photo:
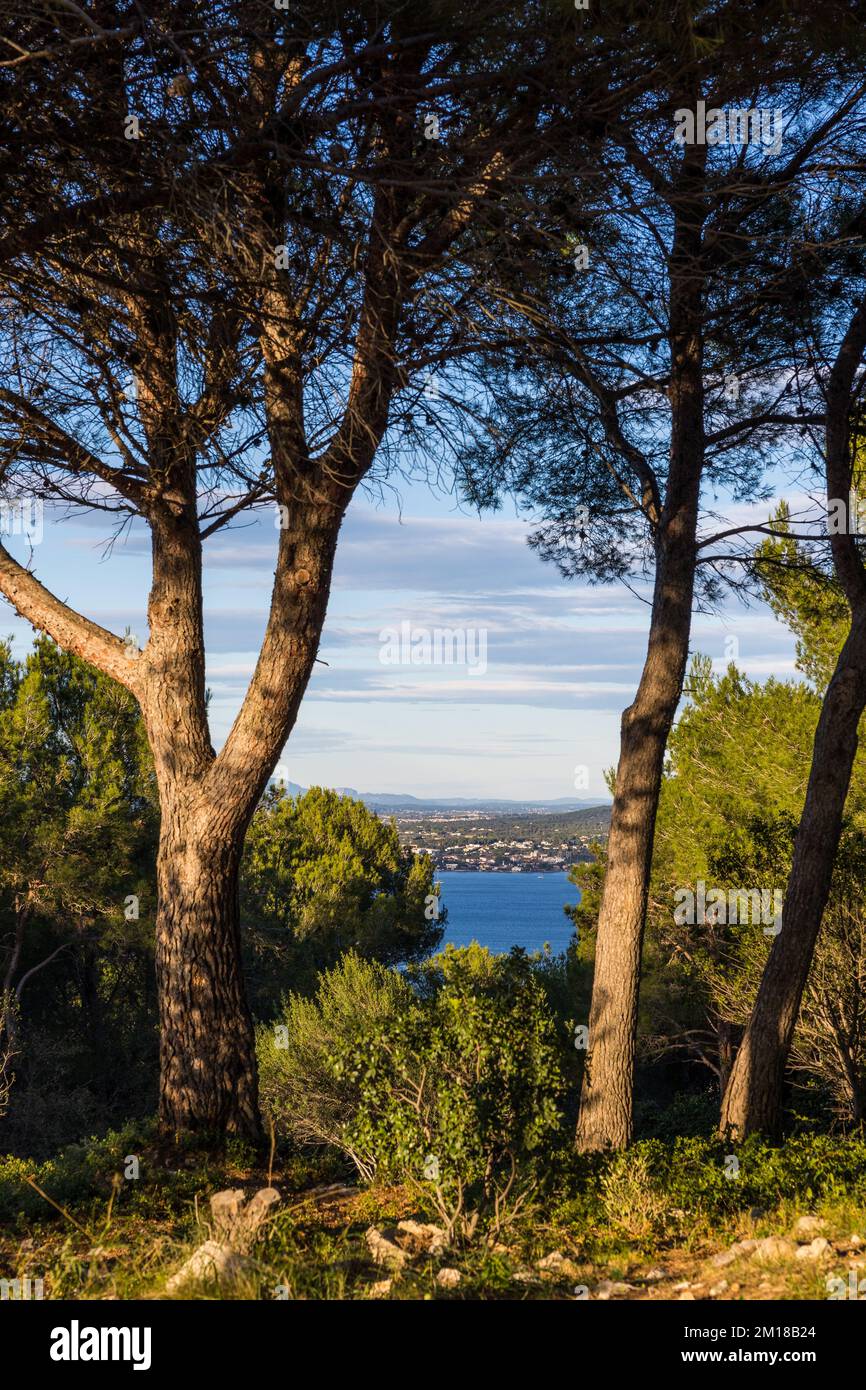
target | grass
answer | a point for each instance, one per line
(652, 1219)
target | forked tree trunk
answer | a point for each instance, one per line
(753, 1099)
(208, 1074)
(208, 1078)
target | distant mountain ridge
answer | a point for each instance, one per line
(393, 801)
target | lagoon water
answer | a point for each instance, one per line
(505, 910)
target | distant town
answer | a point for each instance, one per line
(489, 836)
(485, 842)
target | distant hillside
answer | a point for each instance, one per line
(589, 820)
(395, 802)
(556, 827)
(489, 842)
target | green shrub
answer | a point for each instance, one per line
(685, 1182)
(634, 1204)
(451, 1083)
(688, 1113)
(77, 1174)
(302, 1092)
(694, 1176)
(459, 1093)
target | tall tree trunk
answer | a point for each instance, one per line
(606, 1101)
(606, 1098)
(207, 1056)
(208, 1074)
(208, 1077)
(753, 1099)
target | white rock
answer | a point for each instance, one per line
(772, 1249)
(448, 1278)
(608, 1289)
(383, 1249)
(814, 1250)
(724, 1257)
(430, 1239)
(806, 1227)
(211, 1263)
(736, 1251)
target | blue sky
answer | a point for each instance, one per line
(563, 658)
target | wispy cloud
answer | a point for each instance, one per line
(562, 659)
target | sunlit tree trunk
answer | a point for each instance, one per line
(606, 1099)
(208, 1081)
(606, 1102)
(753, 1100)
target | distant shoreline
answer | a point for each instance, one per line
(538, 872)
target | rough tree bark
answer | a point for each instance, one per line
(606, 1098)
(753, 1099)
(202, 842)
(605, 1116)
(208, 1070)
(207, 1054)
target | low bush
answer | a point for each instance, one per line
(451, 1083)
(302, 1092)
(696, 1176)
(77, 1174)
(633, 1202)
(806, 1168)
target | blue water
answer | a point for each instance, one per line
(505, 910)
